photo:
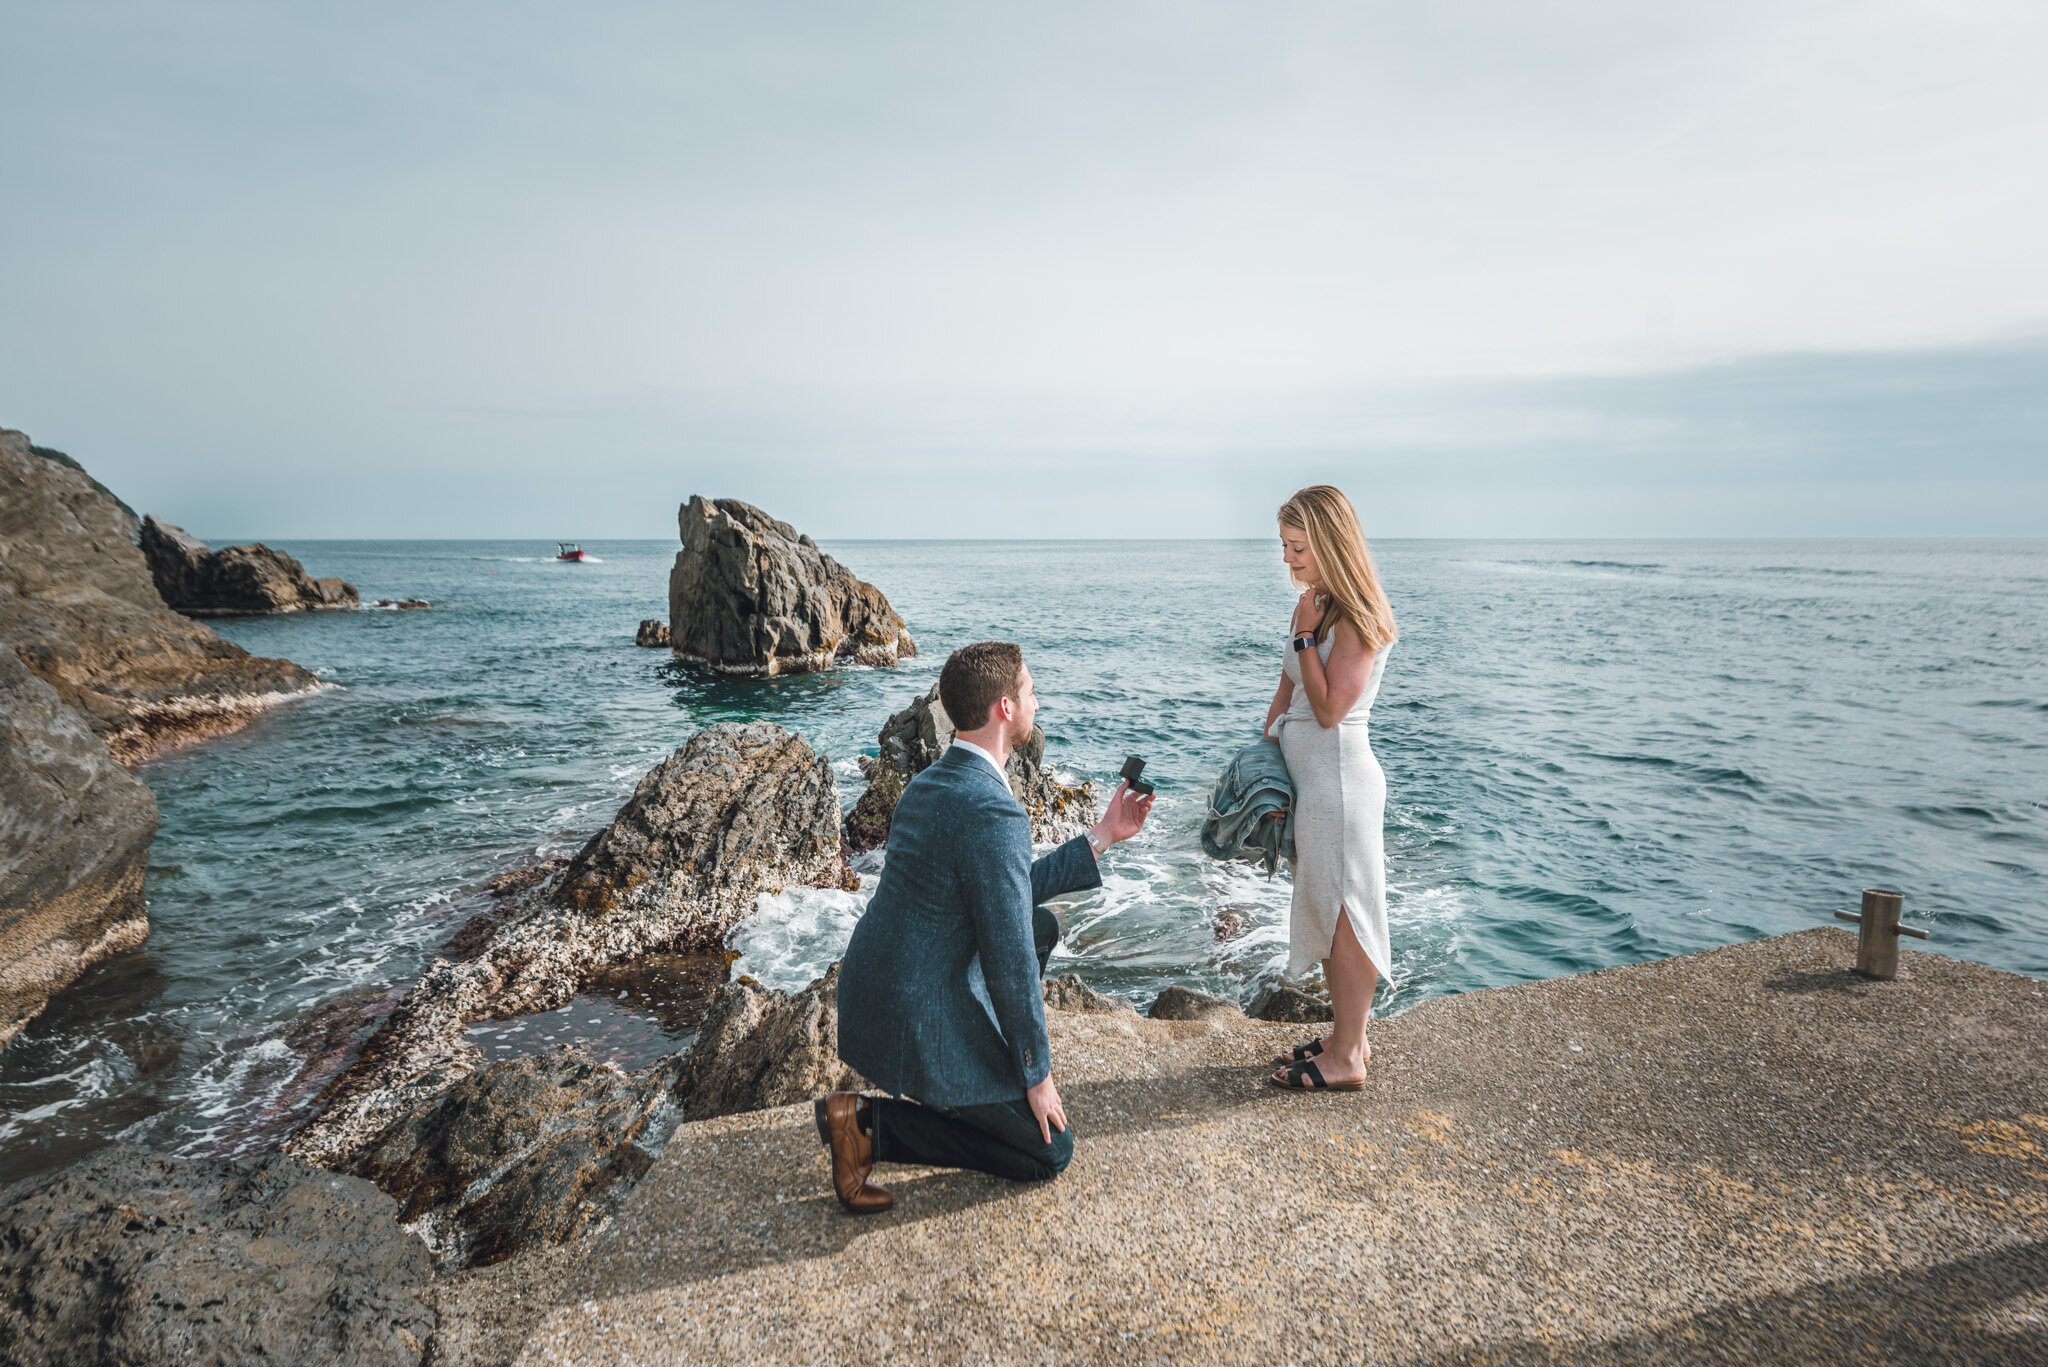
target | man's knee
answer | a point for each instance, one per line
(1058, 1154)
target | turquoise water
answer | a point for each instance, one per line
(1597, 753)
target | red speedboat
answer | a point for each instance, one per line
(569, 550)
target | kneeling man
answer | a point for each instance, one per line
(939, 995)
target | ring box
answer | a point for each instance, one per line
(1133, 767)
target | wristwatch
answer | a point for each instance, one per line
(1305, 641)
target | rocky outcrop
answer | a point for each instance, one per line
(79, 607)
(748, 595)
(919, 734)
(653, 632)
(708, 829)
(75, 832)
(759, 1048)
(736, 812)
(525, 1152)
(125, 1257)
(1069, 993)
(1179, 1003)
(233, 582)
(1284, 1002)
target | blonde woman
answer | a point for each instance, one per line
(1341, 632)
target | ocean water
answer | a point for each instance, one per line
(1597, 753)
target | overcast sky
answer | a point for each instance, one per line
(1705, 267)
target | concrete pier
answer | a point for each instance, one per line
(1745, 1155)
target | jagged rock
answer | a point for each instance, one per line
(708, 828)
(525, 1152)
(735, 812)
(80, 609)
(759, 1048)
(919, 734)
(75, 832)
(1179, 1003)
(1283, 1001)
(234, 581)
(126, 1257)
(392, 604)
(653, 632)
(748, 595)
(1069, 993)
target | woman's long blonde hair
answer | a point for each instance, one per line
(1330, 523)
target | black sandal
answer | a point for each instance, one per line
(1306, 1077)
(1301, 1053)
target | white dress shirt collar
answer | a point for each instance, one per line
(987, 758)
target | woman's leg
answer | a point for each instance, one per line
(1352, 979)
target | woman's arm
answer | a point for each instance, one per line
(1282, 696)
(1335, 690)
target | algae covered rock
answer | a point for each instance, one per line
(127, 1257)
(750, 595)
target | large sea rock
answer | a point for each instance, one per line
(125, 1257)
(749, 595)
(737, 811)
(236, 581)
(80, 608)
(919, 734)
(75, 832)
(759, 1048)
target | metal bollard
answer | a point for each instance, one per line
(1877, 937)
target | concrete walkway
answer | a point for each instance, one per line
(1746, 1155)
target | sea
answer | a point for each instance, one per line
(1597, 753)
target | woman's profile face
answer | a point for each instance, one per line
(1301, 561)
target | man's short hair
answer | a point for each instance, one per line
(975, 677)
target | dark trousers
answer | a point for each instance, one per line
(1001, 1138)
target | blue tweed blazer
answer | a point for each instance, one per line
(939, 996)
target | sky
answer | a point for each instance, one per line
(1106, 269)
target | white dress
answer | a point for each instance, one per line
(1340, 806)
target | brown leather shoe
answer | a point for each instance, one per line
(853, 1153)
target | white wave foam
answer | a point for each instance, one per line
(796, 934)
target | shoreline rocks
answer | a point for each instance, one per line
(78, 829)
(522, 1153)
(653, 633)
(913, 738)
(125, 1256)
(79, 606)
(751, 596)
(735, 812)
(236, 581)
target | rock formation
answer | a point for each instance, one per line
(736, 812)
(653, 632)
(1284, 1002)
(759, 1048)
(125, 1257)
(525, 1152)
(79, 607)
(919, 734)
(1068, 993)
(748, 595)
(235, 581)
(1179, 1003)
(75, 832)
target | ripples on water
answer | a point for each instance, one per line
(1596, 753)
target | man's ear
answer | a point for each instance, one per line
(1006, 708)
